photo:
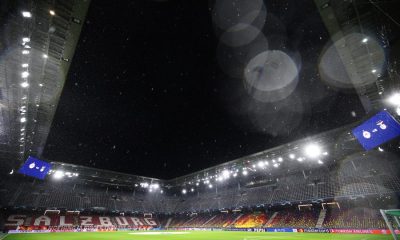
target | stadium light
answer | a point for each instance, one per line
(58, 174)
(26, 39)
(394, 99)
(26, 14)
(23, 119)
(225, 174)
(25, 52)
(312, 150)
(25, 65)
(24, 74)
(184, 191)
(260, 164)
(25, 84)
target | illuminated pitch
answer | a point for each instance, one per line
(199, 235)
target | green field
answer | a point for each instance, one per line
(190, 236)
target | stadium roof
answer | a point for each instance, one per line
(38, 40)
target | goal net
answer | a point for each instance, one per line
(392, 220)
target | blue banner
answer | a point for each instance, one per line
(377, 130)
(35, 168)
(281, 230)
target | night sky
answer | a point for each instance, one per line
(146, 93)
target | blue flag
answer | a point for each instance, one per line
(377, 130)
(35, 168)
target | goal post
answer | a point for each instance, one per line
(392, 220)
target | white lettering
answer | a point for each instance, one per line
(105, 221)
(62, 222)
(15, 220)
(86, 221)
(123, 222)
(136, 222)
(41, 219)
(150, 222)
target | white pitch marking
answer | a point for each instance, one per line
(159, 233)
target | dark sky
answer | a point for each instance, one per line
(146, 93)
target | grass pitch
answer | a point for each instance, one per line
(192, 236)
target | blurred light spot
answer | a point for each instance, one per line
(271, 76)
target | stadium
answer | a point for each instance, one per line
(341, 181)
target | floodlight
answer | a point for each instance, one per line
(26, 14)
(320, 162)
(260, 164)
(312, 150)
(394, 99)
(58, 175)
(380, 149)
(184, 191)
(210, 186)
(52, 13)
(365, 40)
(276, 165)
(25, 65)
(245, 173)
(26, 39)
(23, 119)
(25, 52)
(280, 159)
(161, 191)
(225, 174)
(45, 56)
(373, 71)
(24, 74)
(292, 156)
(192, 190)
(24, 84)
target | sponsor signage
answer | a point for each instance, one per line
(377, 130)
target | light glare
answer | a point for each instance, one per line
(24, 84)
(395, 99)
(58, 174)
(26, 14)
(312, 150)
